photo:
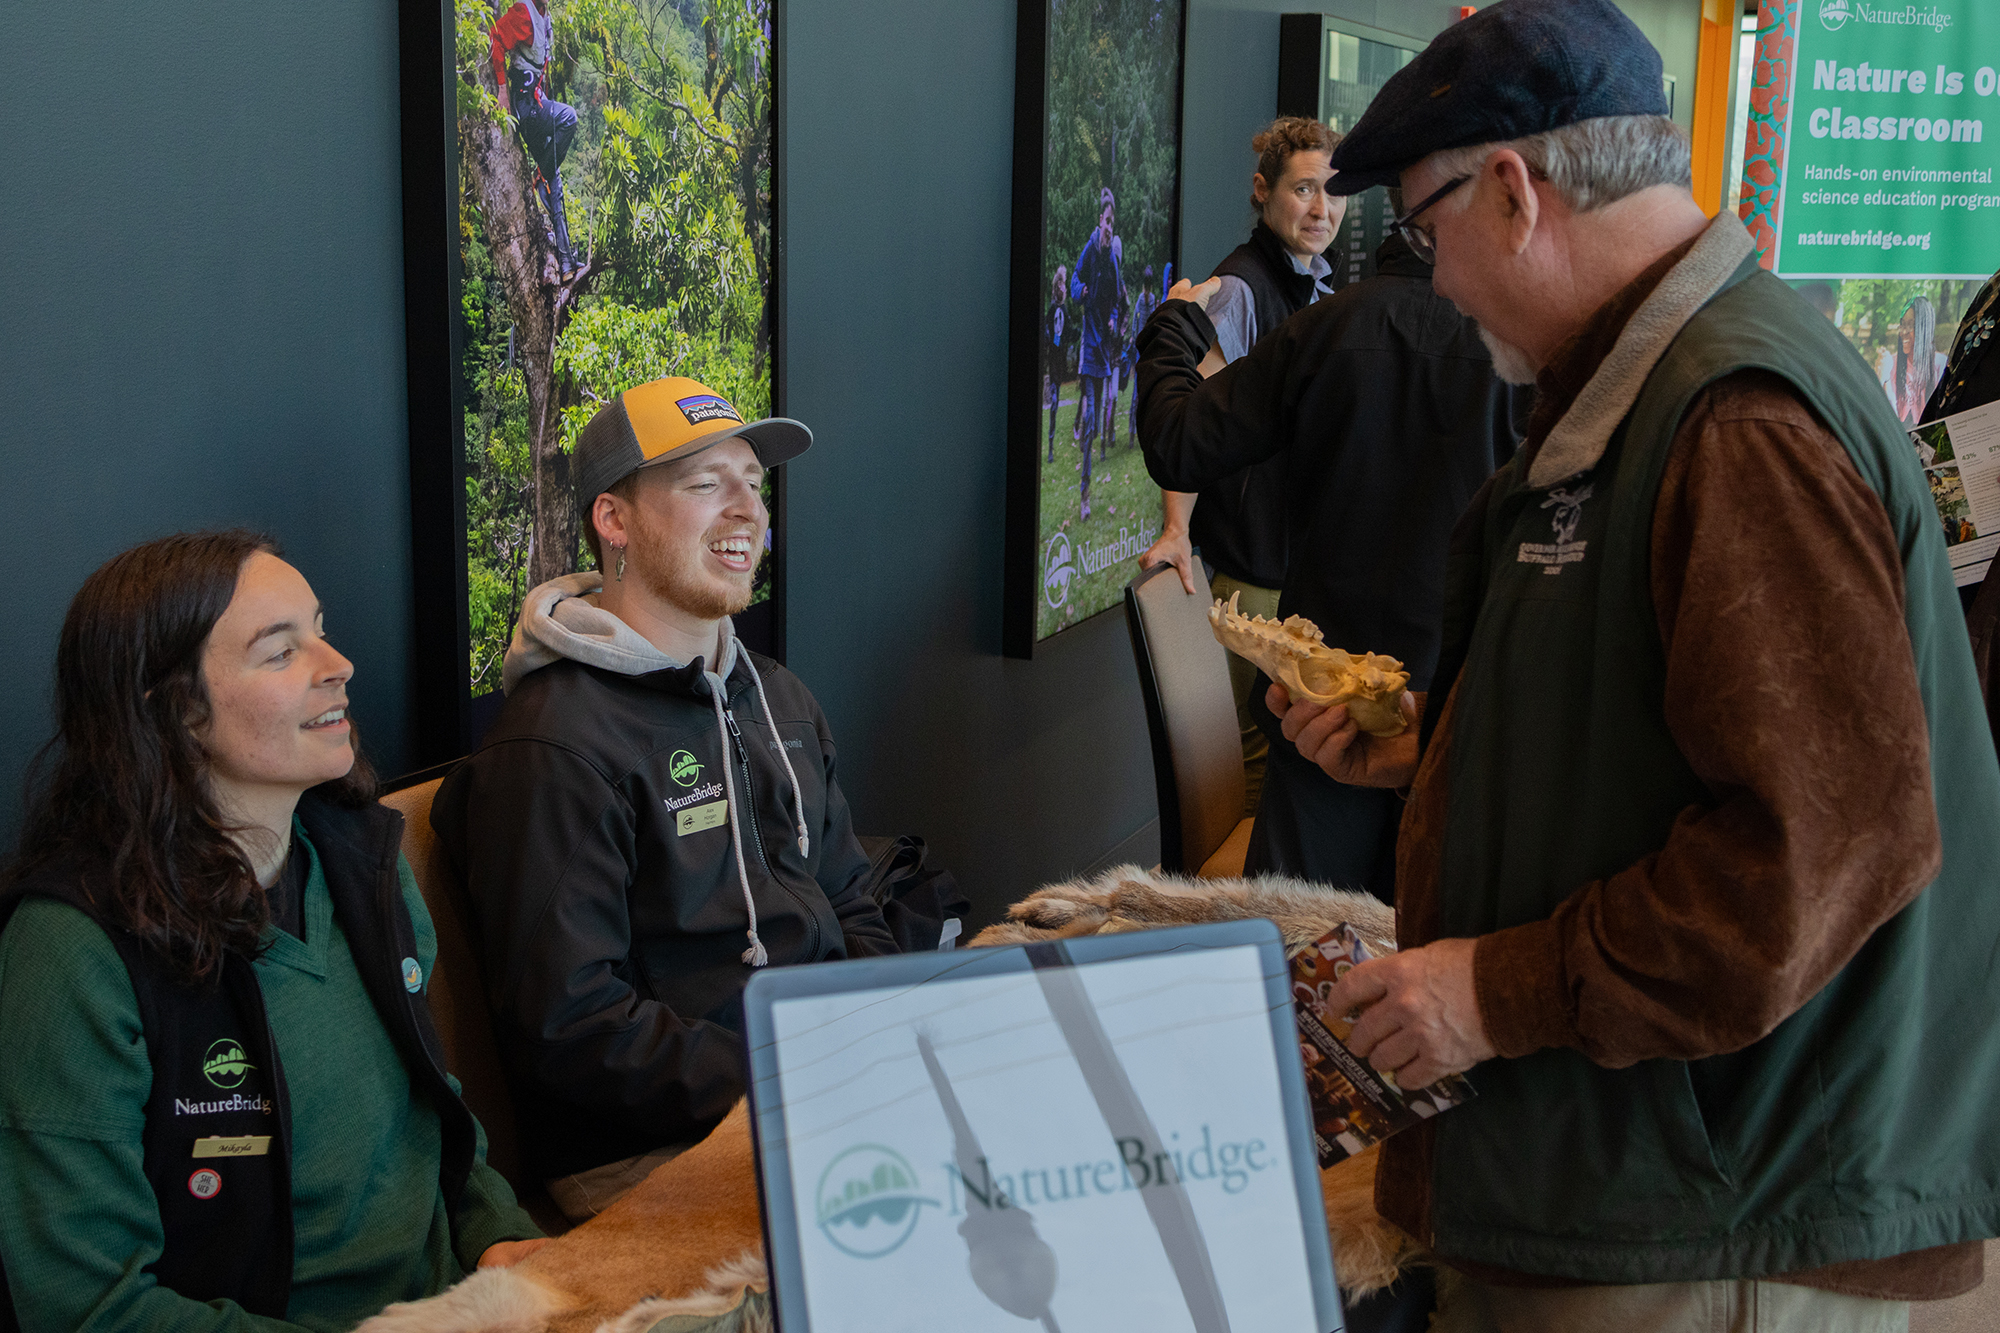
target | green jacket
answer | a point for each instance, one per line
(1865, 1125)
(79, 1222)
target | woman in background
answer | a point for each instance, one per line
(1916, 360)
(223, 1105)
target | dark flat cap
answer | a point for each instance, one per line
(1515, 68)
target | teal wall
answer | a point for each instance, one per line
(201, 320)
(201, 323)
(206, 328)
(896, 180)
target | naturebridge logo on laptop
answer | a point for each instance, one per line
(867, 1202)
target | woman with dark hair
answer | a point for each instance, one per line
(1916, 359)
(223, 1104)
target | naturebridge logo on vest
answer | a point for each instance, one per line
(225, 1064)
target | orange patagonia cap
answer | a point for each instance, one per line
(662, 420)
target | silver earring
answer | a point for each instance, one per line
(619, 574)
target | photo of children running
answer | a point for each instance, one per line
(1109, 194)
(1099, 285)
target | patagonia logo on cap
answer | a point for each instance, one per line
(705, 407)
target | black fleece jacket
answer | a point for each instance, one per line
(589, 833)
(1382, 401)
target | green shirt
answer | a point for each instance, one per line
(78, 1221)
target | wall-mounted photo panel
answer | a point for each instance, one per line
(596, 213)
(1096, 232)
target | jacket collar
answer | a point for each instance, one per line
(1279, 260)
(1395, 259)
(365, 837)
(1578, 440)
(692, 681)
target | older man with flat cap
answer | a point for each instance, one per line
(1696, 878)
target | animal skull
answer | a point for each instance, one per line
(1293, 652)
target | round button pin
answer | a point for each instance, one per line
(205, 1184)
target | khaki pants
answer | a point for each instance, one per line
(588, 1193)
(1469, 1306)
(1254, 601)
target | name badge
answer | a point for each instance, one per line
(249, 1145)
(700, 817)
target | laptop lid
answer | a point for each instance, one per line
(1094, 1134)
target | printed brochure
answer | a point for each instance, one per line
(1354, 1104)
(1961, 461)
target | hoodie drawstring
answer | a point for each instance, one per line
(798, 797)
(756, 955)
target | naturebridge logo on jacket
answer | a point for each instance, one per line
(683, 768)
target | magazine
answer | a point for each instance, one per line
(1353, 1103)
(1961, 460)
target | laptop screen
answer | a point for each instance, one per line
(1088, 1145)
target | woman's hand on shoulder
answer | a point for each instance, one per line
(507, 1253)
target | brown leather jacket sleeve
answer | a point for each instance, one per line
(1792, 691)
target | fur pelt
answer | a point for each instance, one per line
(688, 1240)
(1368, 1250)
(1128, 898)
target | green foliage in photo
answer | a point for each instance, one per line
(667, 187)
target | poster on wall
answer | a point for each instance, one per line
(614, 225)
(1961, 459)
(1096, 232)
(1869, 171)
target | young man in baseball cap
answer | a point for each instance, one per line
(1703, 903)
(654, 813)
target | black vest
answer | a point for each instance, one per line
(216, 1073)
(1239, 522)
(1278, 290)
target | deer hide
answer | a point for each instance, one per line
(688, 1240)
(1368, 1250)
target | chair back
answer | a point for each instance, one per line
(457, 989)
(1190, 713)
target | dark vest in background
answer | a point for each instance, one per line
(1239, 522)
(216, 1073)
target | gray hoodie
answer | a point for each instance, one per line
(561, 619)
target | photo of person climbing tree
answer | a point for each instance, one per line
(614, 227)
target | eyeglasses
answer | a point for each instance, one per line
(1420, 240)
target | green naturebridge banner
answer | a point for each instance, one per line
(1893, 137)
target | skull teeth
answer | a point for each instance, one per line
(1294, 653)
